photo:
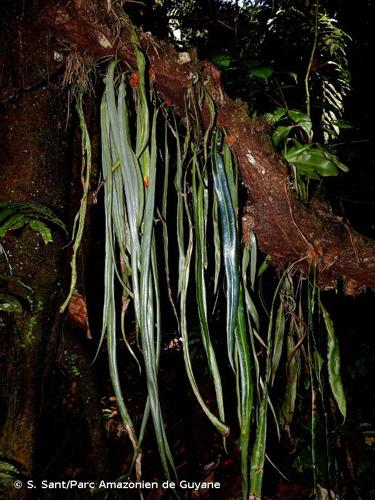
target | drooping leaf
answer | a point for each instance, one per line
(217, 241)
(336, 161)
(245, 396)
(187, 255)
(278, 340)
(6, 211)
(264, 266)
(79, 222)
(334, 368)
(42, 229)
(30, 209)
(293, 369)
(14, 222)
(229, 243)
(198, 189)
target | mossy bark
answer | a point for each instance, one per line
(40, 162)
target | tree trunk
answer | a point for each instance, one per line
(34, 167)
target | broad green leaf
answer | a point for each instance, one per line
(323, 166)
(222, 61)
(9, 303)
(263, 72)
(276, 115)
(311, 159)
(301, 119)
(297, 149)
(280, 134)
(42, 229)
(308, 172)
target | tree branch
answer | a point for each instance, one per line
(285, 228)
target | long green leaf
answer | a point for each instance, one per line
(147, 311)
(293, 369)
(220, 426)
(246, 391)
(217, 241)
(200, 257)
(109, 311)
(229, 243)
(243, 364)
(278, 340)
(333, 355)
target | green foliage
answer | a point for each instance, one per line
(9, 303)
(313, 162)
(310, 161)
(229, 245)
(333, 355)
(298, 61)
(20, 214)
(11, 470)
(334, 76)
(278, 347)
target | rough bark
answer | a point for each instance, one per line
(286, 228)
(34, 169)
(38, 163)
(34, 158)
